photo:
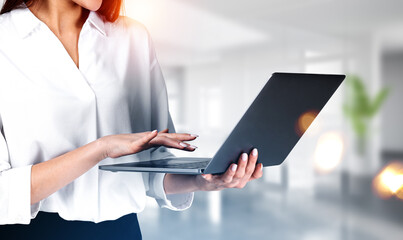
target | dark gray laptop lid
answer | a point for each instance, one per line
(274, 122)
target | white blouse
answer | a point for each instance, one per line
(49, 107)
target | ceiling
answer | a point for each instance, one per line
(338, 17)
(203, 28)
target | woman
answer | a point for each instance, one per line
(80, 85)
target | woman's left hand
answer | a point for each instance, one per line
(236, 176)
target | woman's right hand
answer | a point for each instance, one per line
(124, 144)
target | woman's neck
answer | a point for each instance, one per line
(61, 16)
(65, 19)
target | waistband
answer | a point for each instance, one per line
(51, 226)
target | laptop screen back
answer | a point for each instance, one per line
(278, 117)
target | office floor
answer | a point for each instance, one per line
(276, 214)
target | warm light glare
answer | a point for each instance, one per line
(399, 195)
(215, 206)
(142, 11)
(389, 182)
(328, 153)
(304, 121)
(392, 181)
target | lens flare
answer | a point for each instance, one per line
(142, 10)
(329, 152)
(389, 181)
(304, 121)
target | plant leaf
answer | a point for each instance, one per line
(378, 101)
(359, 100)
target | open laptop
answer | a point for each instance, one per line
(274, 123)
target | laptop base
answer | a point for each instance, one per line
(179, 165)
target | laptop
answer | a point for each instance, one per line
(274, 123)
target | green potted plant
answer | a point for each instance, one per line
(360, 108)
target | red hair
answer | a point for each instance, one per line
(110, 9)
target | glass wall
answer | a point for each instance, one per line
(217, 55)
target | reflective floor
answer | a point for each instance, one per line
(277, 214)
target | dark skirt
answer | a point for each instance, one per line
(50, 226)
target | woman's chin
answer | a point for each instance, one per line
(92, 5)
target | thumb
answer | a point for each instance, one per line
(207, 176)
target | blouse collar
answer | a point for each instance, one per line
(26, 22)
(96, 20)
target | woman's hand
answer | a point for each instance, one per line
(236, 176)
(124, 144)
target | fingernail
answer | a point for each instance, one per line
(244, 157)
(194, 135)
(191, 146)
(183, 144)
(254, 152)
(203, 176)
(261, 167)
(234, 167)
(154, 131)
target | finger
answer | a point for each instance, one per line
(242, 162)
(191, 147)
(229, 174)
(250, 168)
(208, 177)
(166, 130)
(172, 143)
(169, 142)
(258, 173)
(181, 136)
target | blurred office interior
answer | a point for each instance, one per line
(217, 55)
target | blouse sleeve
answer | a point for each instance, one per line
(15, 189)
(161, 119)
